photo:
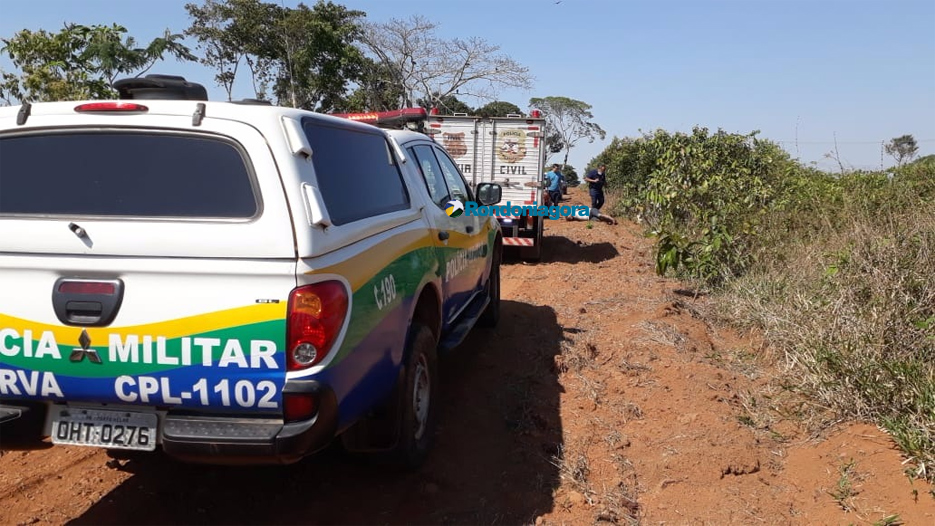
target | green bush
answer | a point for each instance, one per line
(701, 194)
(838, 271)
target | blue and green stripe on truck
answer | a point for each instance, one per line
(235, 359)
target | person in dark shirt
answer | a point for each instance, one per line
(596, 180)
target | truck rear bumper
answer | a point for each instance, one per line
(222, 440)
(207, 439)
(8, 414)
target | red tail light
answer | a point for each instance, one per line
(298, 406)
(316, 315)
(110, 106)
(87, 287)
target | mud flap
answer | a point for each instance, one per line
(378, 432)
(22, 426)
(534, 253)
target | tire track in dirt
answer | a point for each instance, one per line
(71, 459)
(37, 496)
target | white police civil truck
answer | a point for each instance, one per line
(510, 151)
(230, 282)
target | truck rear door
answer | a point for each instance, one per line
(515, 162)
(143, 261)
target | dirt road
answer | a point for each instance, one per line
(602, 397)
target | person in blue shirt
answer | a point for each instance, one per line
(596, 181)
(554, 179)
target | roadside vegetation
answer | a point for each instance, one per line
(835, 270)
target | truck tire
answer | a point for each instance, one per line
(491, 315)
(418, 413)
(533, 253)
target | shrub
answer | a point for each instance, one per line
(847, 291)
(701, 194)
(836, 270)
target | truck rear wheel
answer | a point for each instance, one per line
(491, 315)
(418, 413)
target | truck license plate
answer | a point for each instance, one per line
(109, 429)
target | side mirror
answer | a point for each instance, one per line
(489, 194)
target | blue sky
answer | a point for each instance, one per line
(860, 70)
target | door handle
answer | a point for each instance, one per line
(87, 302)
(468, 229)
(443, 235)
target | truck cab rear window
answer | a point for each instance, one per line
(127, 174)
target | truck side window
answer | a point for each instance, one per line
(459, 188)
(431, 173)
(357, 173)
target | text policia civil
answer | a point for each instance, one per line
(552, 212)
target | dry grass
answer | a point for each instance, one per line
(662, 333)
(576, 356)
(574, 468)
(852, 308)
(612, 197)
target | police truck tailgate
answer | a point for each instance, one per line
(141, 268)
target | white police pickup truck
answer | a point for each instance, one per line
(230, 282)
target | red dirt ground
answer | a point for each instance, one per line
(603, 397)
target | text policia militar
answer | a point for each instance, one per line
(552, 212)
(191, 371)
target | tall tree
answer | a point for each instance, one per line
(220, 51)
(902, 148)
(569, 120)
(375, 91)
(231, 33)
(499, 108)
(316, 56)
(306, 56)
(79, 62)
(428, 66)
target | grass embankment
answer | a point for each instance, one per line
(847, 293)
(836, 270)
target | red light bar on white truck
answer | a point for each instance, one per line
(394, 118)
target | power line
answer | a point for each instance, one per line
(844, 142)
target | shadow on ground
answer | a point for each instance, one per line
(491, 463)
(556, 248)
